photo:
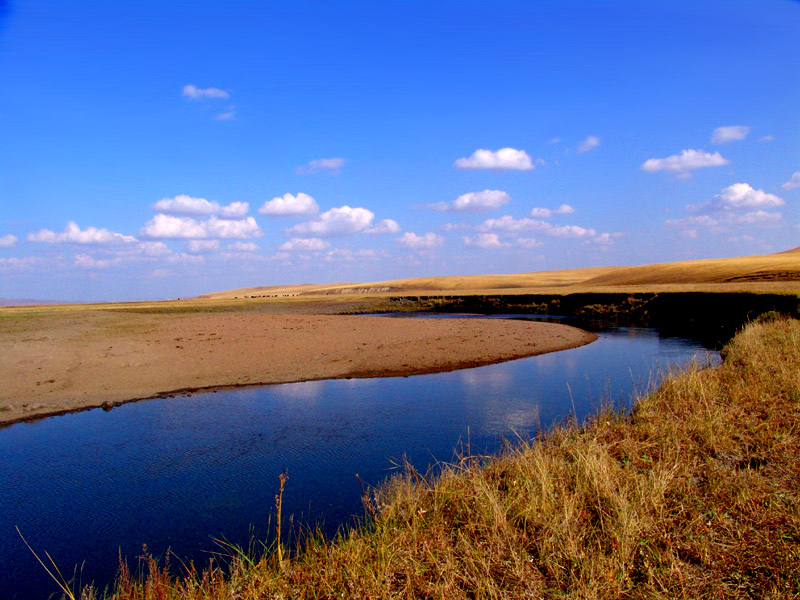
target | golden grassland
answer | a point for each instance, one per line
(694, 494)
(772, 273)
(766, 273)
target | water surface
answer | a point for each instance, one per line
(176, 473)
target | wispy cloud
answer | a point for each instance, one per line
(8, 241)
(590, 143)
(684, 162)
(793, 183)
(228, 115)
(546, 213)
(505, 159)
(509, 223)
(484, 240)
(329, 165)
(196, 93)
(690, 226)
(290, 206)
(729, 133)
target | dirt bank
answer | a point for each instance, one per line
(72, 360)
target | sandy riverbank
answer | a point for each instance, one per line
(74, 360)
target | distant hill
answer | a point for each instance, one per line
(780, 271)
(26, 302)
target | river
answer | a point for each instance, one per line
(178, 473)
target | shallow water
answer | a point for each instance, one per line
(176, 473)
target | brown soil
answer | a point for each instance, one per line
(64, 361)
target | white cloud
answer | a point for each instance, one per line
(528, 243)
(332, 165)
(730, 133)
(240, 229)
(335, 222)
(453, 226)
(692, 222)
(506, 159)
(590, 143)
(484, 240)
(187, 205)
(604, 239)
(794, 182)
(347, 255)
(384, 226)
(426, 241)
(243, 247)
(721, 222)
(202, 246)
(174, 228)
(196, 93)
(171, 227)
(228, 115)
(73, 234)
(569, 231)
(85, 261)
(16, 263)
(305, 244)
(154, 249)
(748, 239)
(738, 197)
(510, 224)
(290, 206)
(8, 241)
(684, 162)
(474, 202)
(756, 217)
(184, 259)
(546, 213)
(767, 138)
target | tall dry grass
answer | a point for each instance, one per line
(695, 494)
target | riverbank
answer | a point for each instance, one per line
(694, 494)
(64, 359)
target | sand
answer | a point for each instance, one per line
(66, 362)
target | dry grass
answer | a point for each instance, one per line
(693, 495)
(766, 273)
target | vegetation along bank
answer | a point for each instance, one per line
(694, 494)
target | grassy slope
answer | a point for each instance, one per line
(696, 494)
(772, 272)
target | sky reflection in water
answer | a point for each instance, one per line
(177, 472)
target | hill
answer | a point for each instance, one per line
(769, 272)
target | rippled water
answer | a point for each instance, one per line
(175, 473)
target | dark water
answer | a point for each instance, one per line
(177, 473)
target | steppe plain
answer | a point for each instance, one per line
(62, 358)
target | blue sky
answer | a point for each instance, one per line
(166, 149)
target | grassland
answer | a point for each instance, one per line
(776, 273)
(694, 494)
